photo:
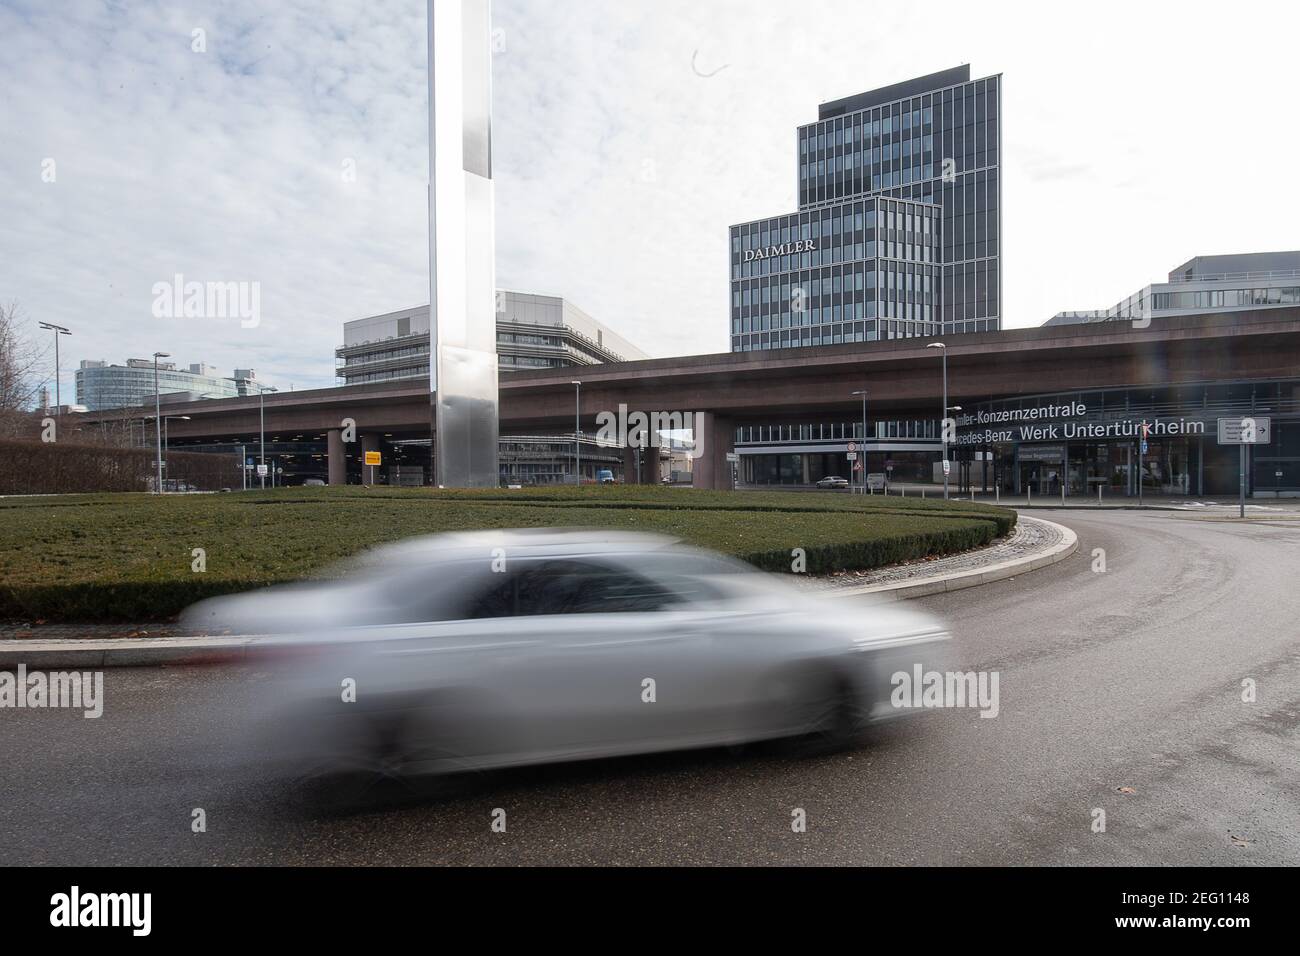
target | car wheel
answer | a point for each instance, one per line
(834, 714)
(818, 708)
(373, 777)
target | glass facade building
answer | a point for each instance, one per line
(102, 386)
(1233, 283)
(932, 146)
(533, 332)
(1090, 442)
(856, 271)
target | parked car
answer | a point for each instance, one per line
(833, 481)
(501, 648)
(605, 476)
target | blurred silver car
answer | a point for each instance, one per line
(833, 481)
(502, 648)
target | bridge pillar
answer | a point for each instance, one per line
(335, 452)
(648, 474)
(711, 469)
(650, 465)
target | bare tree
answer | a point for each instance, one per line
(20, 359)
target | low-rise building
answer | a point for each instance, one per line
(1232, 283)
(533, 332)
(101, 385)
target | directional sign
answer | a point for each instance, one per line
(374, 458)
(1247, 430)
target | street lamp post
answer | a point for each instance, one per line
(57, 330)
(577, 441)
(157, 414)
(863, 459)
(943, 419)
(166, 419)
(261, 413)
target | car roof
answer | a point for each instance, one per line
(518, 542)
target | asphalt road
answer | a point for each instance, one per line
(1120, 691)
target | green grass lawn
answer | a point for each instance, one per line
(128, 557)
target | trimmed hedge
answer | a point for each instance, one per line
(128, 557)
(50, 468)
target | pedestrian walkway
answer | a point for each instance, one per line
(1029, 539)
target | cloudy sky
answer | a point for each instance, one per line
(628, 137)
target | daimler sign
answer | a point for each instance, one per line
(784, 249)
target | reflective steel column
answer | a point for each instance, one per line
(462, 269)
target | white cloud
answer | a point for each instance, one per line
(1136, 136)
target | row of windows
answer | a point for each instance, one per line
(969, 227)
(798, 293)
(389, 375)
(923, 310)
(893, 141)
(848, 332)
(122, 388)
(970, 291)
(532, 361)
(836, 255)
(837, 178)
(966, 227)
(803, 293)
(519, 338)
(869, 154)
(385, 355)
(1226, 298)
(883, 122)
(832, 221)
(834, 431)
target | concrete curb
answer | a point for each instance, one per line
(151, 652)
(144, 652)
(960, 580)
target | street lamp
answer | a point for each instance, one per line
(943, 428)
(863, 459)
(157, 412)
(166, 419)
(577, 441)
(261, 411)
(57, 330)
(243, 448)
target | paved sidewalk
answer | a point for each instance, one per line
(1032, 537)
